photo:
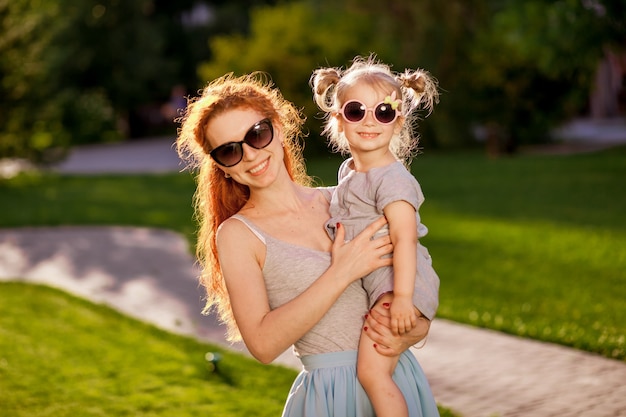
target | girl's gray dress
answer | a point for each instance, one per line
(359, 199)
(327, 386)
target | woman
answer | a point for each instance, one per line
(269, 267)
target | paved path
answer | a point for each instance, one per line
(137, 156)
(150, 274)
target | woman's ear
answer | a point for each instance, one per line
(220, 170)
(278, 134)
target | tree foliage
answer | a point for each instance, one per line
(76, 72)
(535, 62)
(73, 72)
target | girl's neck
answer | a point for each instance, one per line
(364, 161)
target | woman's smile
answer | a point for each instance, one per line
(259, 168)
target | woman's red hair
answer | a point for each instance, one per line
(218, 198)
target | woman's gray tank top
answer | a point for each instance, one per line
(288, 271)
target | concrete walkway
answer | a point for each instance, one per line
(150, 274)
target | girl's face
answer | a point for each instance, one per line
(257, 167)
(367, 135)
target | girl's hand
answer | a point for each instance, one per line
(361, 255)
(403, 315)
(378, 323)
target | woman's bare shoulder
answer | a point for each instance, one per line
(233, 229)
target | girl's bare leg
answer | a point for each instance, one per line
(375, 374)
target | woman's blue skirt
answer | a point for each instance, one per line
(328, 387)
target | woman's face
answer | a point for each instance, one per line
(258, 167)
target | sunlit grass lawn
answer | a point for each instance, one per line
(530, 245)
(534, 246)
(62, 356)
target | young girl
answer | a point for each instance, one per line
(370, 114)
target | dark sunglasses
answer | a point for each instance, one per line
(258, 136)
(354, 111)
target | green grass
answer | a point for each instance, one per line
(63, 356)
(530, 245)
(163, 201)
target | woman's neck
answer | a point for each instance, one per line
(291, 213)
(282, 197)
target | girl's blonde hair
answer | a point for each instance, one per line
(415, 89)
(217, 198)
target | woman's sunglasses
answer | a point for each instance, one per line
(258, 136)
(354, 111)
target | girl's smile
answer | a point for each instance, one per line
(368, 135)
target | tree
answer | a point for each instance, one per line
(32, 63)
(534, 64)
(74, 72)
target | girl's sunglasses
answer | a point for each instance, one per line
(258, 136)
(354, 111)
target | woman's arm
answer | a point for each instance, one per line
(267, 333)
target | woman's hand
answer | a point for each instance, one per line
(361, 255)
(378, 324)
